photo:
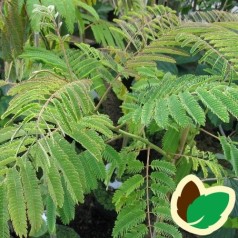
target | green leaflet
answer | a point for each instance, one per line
(131, 219)
(71, 176)
(206, 210)
(51, 215)
(54, 185)
(45, 56)
(32, 195)
(67, 212)
(230, 152)
(4, 229)
(167, 228)
(16, 202)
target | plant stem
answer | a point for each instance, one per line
(106, 93)
(114, 139)
(215, 179)
(221, 130)
(147, 191)
(210, 134)
(35, 73)
(103, 97)
(147, 142)
(57, 29)
(183, 141)
(223, 6)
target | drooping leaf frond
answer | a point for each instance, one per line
(64, 164)
(51, 215)
(92, 166)
(55, 188)
(16, 202)
(67, 212)
(32, 195)
(4, 229)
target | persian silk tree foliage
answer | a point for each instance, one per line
(56, 141)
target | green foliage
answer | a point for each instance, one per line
(183, 106)
(230, 152)
(12, 35)
(32, 195)
(3, 213)
(130, 199)
(57, 139)
(16, 202)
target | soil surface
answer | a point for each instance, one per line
(92, 220)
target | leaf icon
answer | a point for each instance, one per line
(201, 210)
(206, 210)
(189, 193)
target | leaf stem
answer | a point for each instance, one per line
(182, 144)
(106, 93)
(61, 42)
(210, 134)
(146, 141)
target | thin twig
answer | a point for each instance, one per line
(146, 141)
(232, 133)
(221, 130)
(214, 179)
(210, 134)
(224, 5)
(182, 144)
(106, 93)
(114, 139)
(35, 73)
(57, 30)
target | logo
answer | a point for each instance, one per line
(201, 210)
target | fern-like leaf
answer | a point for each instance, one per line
(133, 217)
(163, 166)
(94, 170)
(177, 111)
(192, 107)
(164, 229)
(67, 212)
(71, 176)
(16, 202)
(234, 158)
(51, 215)
(54, 185)
(162, 113)
(213, 104)
(127, 188)
(4, 229)
(32, 195)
